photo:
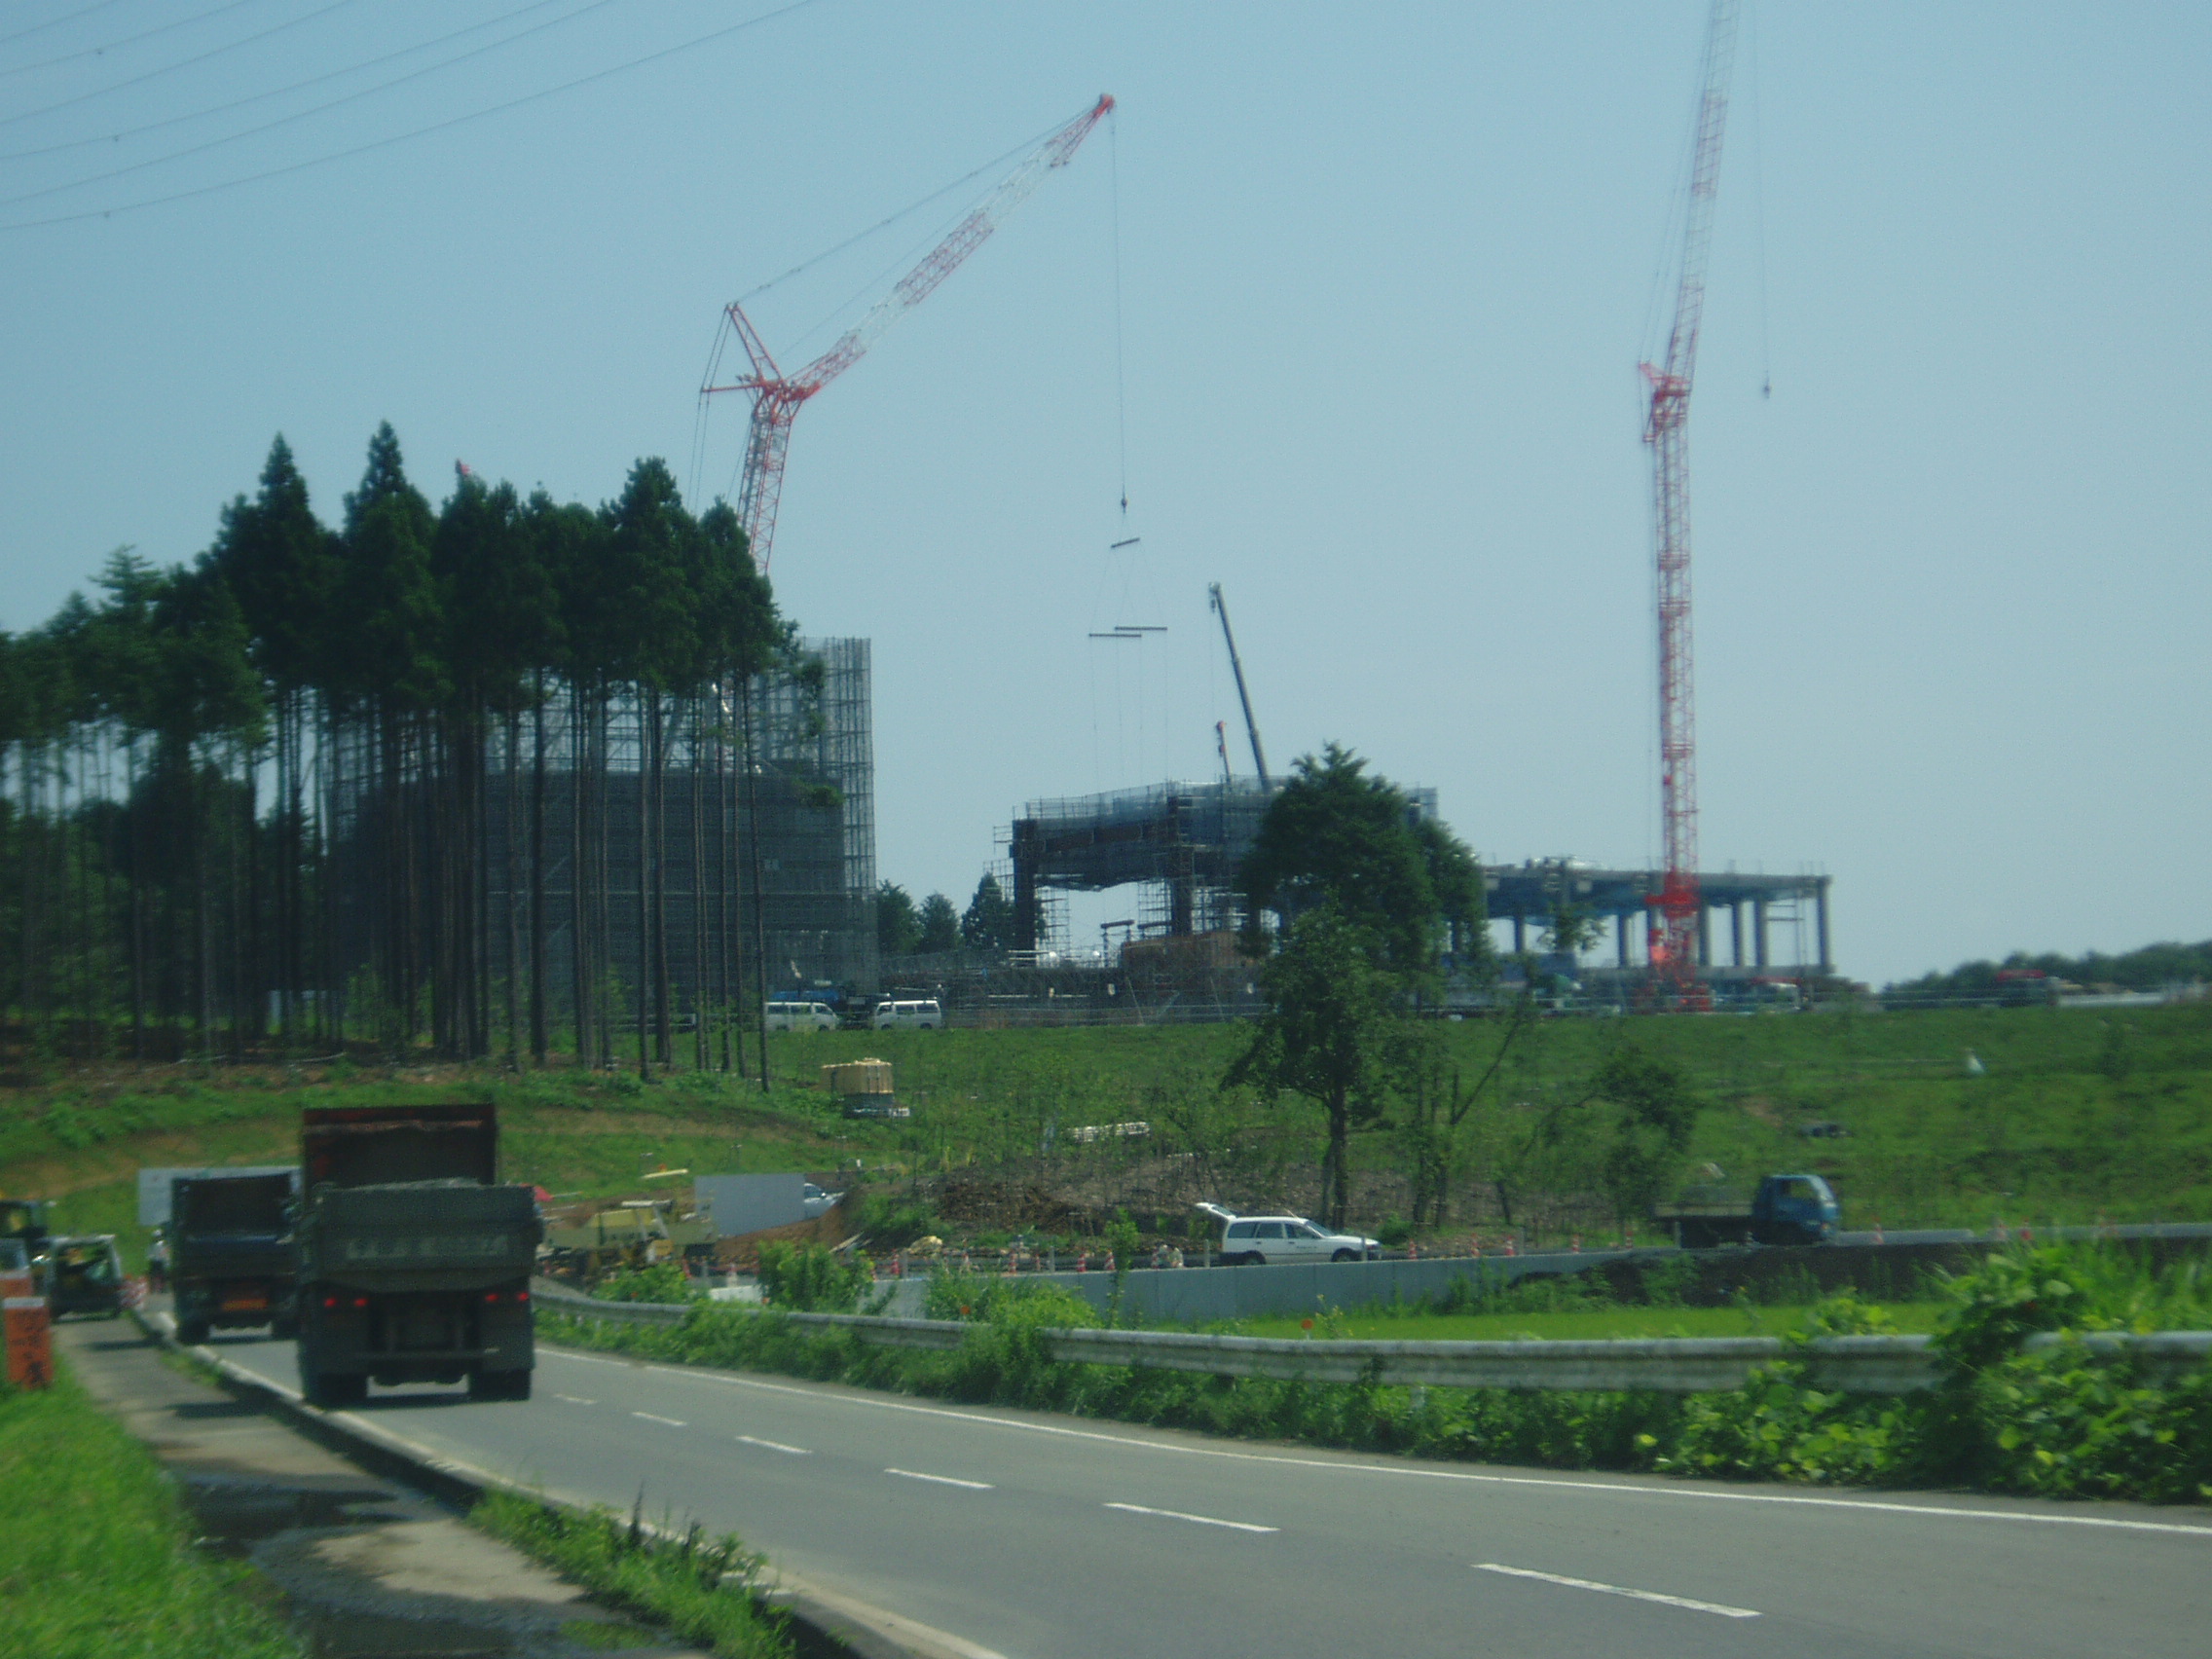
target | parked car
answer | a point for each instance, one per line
(1257, 1239)
(922, 1014)
(801, 1016)
(84, 1274)
(815, 1202)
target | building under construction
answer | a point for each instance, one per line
(671, 856)
(1182, 844)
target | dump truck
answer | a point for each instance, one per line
(414, 1259)
(229, 1253)
(1786, 1209)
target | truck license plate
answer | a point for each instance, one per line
(244, 1304)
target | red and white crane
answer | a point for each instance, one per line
(1674, 919)
(777, 397)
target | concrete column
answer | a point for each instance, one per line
(1520, 936)
(1704, 937)
(1620, 937)
(1758, 930)
(1821, 911)
(1736, 933)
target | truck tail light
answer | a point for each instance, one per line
(522, 1295)
(330, 1302)
(360, 1301)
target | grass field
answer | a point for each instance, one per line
(96, 1554)
(2077, 1113)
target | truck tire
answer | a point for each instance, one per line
(283, 1330)
(499, 1385)
(334, 1388)
(191, 1332)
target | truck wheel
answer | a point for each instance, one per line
(283, 1330)
(499, 1385)
(191, 1332)
(334, 1388)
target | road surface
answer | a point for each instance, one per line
(1037, 1537)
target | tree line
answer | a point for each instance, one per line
(309, 787)
(934, 927)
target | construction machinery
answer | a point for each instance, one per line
(1243, 697)
(778, 397)
(1672, 931)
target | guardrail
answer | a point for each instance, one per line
(1670, 1364)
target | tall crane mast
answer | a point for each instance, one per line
(1674, 926)
(1236, 667)
(777, 397)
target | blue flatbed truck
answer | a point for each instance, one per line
(1786, 1209)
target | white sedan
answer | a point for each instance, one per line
(1256, 1240)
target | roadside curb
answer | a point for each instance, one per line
(828, 1622)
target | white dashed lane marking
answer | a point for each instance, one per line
(940, 1480)
(672, 1422)
(1201, 1520)
(775, 1445)
(1695, 1607)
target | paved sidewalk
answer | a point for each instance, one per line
(372, 1569)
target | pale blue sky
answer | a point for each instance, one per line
(1385, 273)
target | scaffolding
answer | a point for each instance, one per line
(689, 834)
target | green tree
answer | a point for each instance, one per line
(988, 924)
(940, 926)
(1335, 835)
(1654, 1112)
(1336, 1032)
(897, 925)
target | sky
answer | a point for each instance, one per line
(1348, 299)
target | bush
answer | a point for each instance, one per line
(807, 1278)
(665, 1282)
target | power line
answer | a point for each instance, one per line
(278, 92)
(114, 45)
(172, 68)
(301, 114)
(55, 23)
(416, 132)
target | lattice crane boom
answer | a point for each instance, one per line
(1674, 919)
(777, 397)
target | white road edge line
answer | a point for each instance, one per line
(1201, 1520)
(650, 1417)
(776, 1445)
(1695, 1607)
(1616, 1489)
(910, 1631)
(940, 1480)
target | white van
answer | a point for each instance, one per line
(921, 1015)
(801, 1016)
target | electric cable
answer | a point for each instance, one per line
(276, 92)
(172, 68)
(113, 44)
(411, 133)
(57, 22)
(302, 114)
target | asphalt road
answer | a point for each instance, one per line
(1044, 1537)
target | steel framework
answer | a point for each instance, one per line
(1674, 919)
(777, 397)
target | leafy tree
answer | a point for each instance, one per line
(1654, 1112)
(940, 926)
(1335, 835)
(897, 925)
(988, 924)
(1336, 1031)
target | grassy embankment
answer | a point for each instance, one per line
(96, 1559)
(2069, 1422)
(2080, 1113)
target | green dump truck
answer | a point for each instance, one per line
(230, 1244)
(414, 1261)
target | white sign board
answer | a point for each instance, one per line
(750, 1203)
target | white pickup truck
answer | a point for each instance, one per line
(1257, 1239)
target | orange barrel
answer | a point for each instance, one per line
(29, 1343)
